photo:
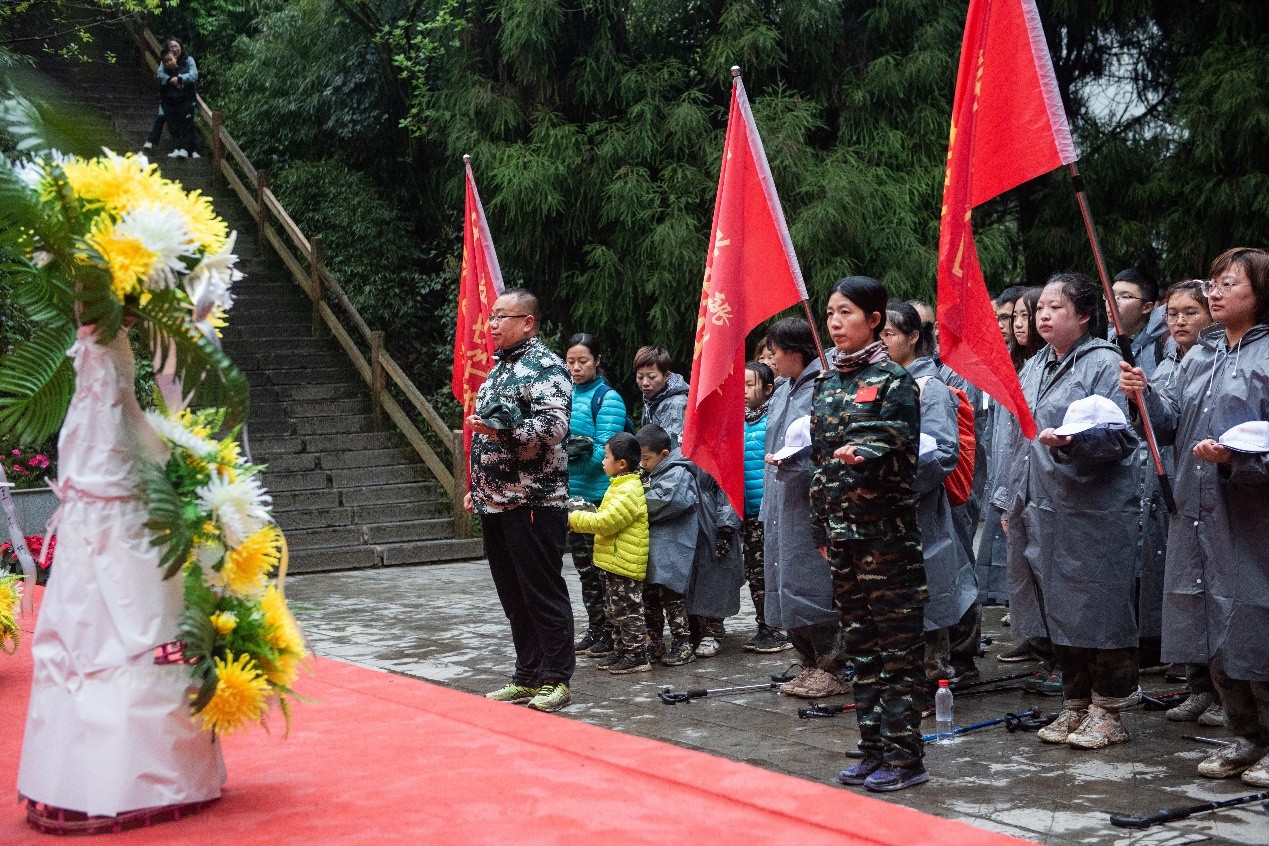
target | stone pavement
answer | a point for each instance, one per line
(443, 623)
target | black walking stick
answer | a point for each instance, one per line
(1007, 719)
(821, 711)
(670, 696)
(1174, 814)
(958, 687)
(1164, 701)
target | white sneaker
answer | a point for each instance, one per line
(195, 155)
(708, 647)
(178, 154)
(147, 146)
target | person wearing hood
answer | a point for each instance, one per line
(949, 571)
(1216, 580)
(1071, 508)
(759, 387)
(664, 393)
(799, 597)
(1140, 318)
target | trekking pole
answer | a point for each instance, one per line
(1174, 814)
(670, 696)
(1210, 741)
(1164, 701)
(820, 711)
(960, 686)
(930, 738)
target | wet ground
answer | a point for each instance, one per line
(443, 623)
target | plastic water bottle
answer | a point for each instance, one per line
(943, 732)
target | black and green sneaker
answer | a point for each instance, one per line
(552, 696)
(514, 692)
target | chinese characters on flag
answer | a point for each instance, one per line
(751, 273)
(480, 283)
(1008, 126)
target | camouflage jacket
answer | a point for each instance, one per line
(525, 465)
(878, 410)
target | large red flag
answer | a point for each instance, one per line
(1008, 126)
(480, 283)
(751, 274)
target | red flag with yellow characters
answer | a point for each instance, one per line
(479, 284)
(1008, 126)
(751, 273)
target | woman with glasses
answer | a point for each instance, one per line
(1216, 588)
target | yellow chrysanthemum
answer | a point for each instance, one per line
(129, 261)
(207, 228)
(192, 424)
(284, 671)
(114, 183)
(240, 697)
(280, 628)
(9, 601)
(229, 454)
(248, 567)
(224, 622)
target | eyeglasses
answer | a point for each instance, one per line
(1126, 298)
(1224, 285)
(1002, 319)
(1187, 316)
(495, 319)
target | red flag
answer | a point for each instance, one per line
(480, 283)
(751, 274)
(1008, 126)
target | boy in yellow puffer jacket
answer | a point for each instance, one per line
(620, 527)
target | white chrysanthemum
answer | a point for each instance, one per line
(31, 172)
(209, 282)
(241, 506)
(163, 231)
(177, 435)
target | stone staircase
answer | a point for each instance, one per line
(349, 492)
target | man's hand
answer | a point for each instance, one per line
(847, 454)
(468, 505)
(1209, 450)
(1049, 439)
(478, 426)
(1132, 380)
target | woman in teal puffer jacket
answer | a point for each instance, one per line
(598, 413)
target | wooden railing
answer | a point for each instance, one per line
(304, 258)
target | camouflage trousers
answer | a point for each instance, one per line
(1096, 674)
(879, 591)
(751, 536)
(623, 606)
(662, 605)
(583, 548)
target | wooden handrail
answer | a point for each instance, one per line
(302, 257)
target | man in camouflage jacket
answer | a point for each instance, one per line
(519, 484)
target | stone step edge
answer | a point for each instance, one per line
(451, 550)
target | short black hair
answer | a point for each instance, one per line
(652, 437)
(1086, 298)
(765, 374)
(793, 334)
(1146, 284)
(1010, 295)
(624, 447)
(868, 294)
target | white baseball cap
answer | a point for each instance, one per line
(1252, 436)
(796, 438)
(1090, 413)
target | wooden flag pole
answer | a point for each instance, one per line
(1125, 343)
(815, 333)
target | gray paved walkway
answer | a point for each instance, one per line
(443, 623)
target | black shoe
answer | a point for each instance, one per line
(631, 662)
(607, 661)
(656, 649)
(771, 640)
(582, 647)
(679, 654)
(601, 647)
(891, 777)
(861, 772)
(964, 676)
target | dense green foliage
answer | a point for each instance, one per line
(596, 131)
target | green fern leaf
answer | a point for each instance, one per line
(36, 382)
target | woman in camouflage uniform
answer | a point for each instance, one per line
(865, 424)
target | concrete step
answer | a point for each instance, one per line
(320, 391)
(400, 512)
(291, 463)
(379, 495)
(344, 373)
(364, 440)
(263, 448)
(303, 500)
(413, 530)
(248, 346)
(351, 459)
(269, 427)
(367, 476)
(313, 518)
(306, 360)
(351, 423)
(302, 481)
(327, 559)
(428, 552)
(274, 332)
(327, 408)
(330, 536)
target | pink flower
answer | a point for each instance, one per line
(17, 452)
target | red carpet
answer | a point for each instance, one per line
(377, 758)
